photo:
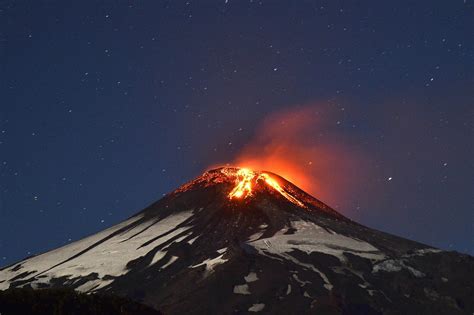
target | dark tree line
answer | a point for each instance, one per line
(67, 301)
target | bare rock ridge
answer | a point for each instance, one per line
(241, 241)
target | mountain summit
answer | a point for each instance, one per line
(236, 240)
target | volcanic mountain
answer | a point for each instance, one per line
(240, 241)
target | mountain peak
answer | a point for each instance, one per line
(253, 241)
(242, 187)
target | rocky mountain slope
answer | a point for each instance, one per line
(241, 241)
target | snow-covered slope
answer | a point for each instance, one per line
(105, 254)
(277, 251)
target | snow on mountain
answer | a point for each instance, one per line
(105, 253)
(236, 240)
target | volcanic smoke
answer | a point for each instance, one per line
(305, 146)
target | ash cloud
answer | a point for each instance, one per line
(305, 145)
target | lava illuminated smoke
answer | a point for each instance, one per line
(245, 179)
(305, 146)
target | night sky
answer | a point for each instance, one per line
(106, 107)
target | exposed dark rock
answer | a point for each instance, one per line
(195, 251)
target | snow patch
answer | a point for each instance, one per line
(222, 250)
(242, 289)
(158, 256)
(255, 236)
(251, 277)
(301, 282)
(256, 307)
(172, 260)
(191, 241)
(392, 265)
(211, 263)
(181, 238)
(428, 250)
(424, 251)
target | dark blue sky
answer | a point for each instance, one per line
(106, 107)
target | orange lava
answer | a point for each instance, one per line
(275, 185)
(245, 179)
(243, 188)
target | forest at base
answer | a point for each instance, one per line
(67, 301)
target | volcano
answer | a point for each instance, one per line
(241, 241)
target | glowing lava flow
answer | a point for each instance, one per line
(273, 183)
(243, 187)
(244, 184)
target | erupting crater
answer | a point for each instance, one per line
(246, 182)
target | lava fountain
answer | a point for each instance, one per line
(246, 179)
